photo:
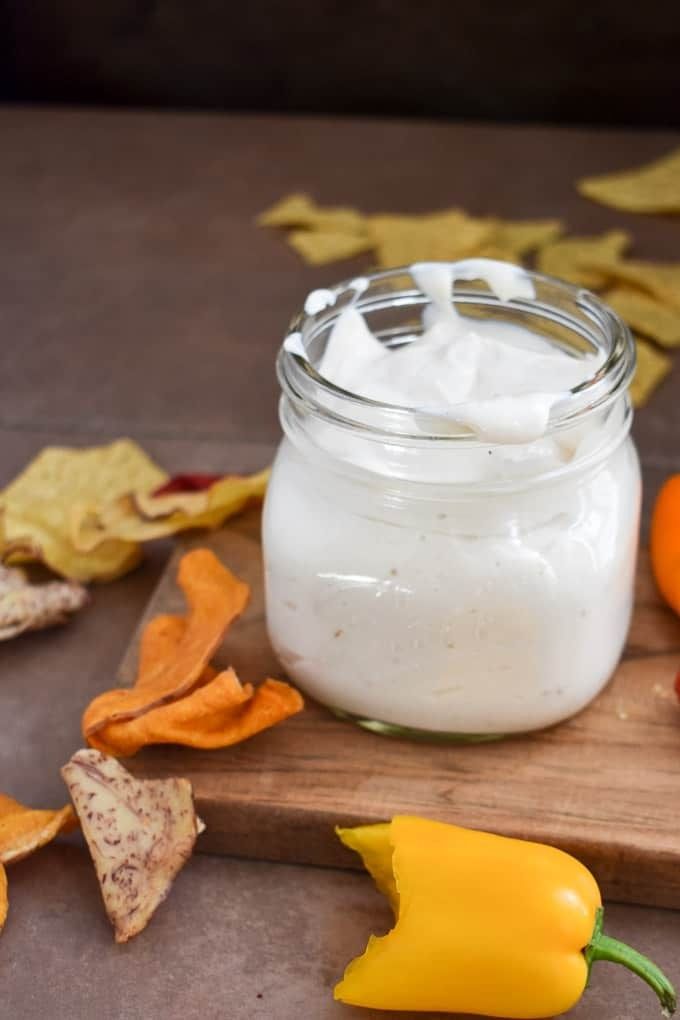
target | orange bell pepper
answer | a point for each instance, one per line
(665, 541)
(484, 925)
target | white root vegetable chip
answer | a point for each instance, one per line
(140, 832)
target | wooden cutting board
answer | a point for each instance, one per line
(604, 786)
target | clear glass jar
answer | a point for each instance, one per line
(410, 584)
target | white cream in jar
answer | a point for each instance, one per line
(451, 525)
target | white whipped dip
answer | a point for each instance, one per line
(419, 591)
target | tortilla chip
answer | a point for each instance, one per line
(4, 902)
(447, 235)
(660, 279)
(646, 315)
(654, 187)
(319, 247)
(39, 503)
(215, 598)
(299, 210)
(140, 833)
(137, 517)
(573, 258)
(24, 830)
(652, 368)
(521, 237)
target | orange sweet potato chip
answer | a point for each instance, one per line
(215, 598)
(217, 714)
(23, 830)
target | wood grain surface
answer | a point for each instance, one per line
(603, 785)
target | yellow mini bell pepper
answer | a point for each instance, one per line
(484, 925)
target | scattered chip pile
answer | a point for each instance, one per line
(178, 697)
(139, 833)
(322, 234)
(645, 294)
(85, 513)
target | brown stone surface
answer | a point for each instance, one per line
(136, 297)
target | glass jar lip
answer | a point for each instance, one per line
(301, 382)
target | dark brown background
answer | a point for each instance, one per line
(606, 61)
(137, 297)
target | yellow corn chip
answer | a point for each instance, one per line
(652, 368)
(572, 258)
(24, 830)
(39, 503)
(447, 235)
(299, 210)
(319, 247)
(654, 187)
(520, 237)
(660, 279)
(137, 517)
(646, 315)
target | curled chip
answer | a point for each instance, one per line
(25, 606)
(39, 503)
(652, 368)
(575, 258)
(647, 315)
(217, 712)
(140, 833)
(23, 830)
(299, 210)
(138, 517)
(447, 235)
(215, 598)
(319, 247)
(654, 187)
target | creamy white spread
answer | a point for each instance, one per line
(498, 381)
(417, 595)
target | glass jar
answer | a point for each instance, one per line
(419, 580)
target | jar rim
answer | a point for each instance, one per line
(598, 325)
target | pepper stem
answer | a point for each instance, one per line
(603, 947)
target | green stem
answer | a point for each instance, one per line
(603, 947)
